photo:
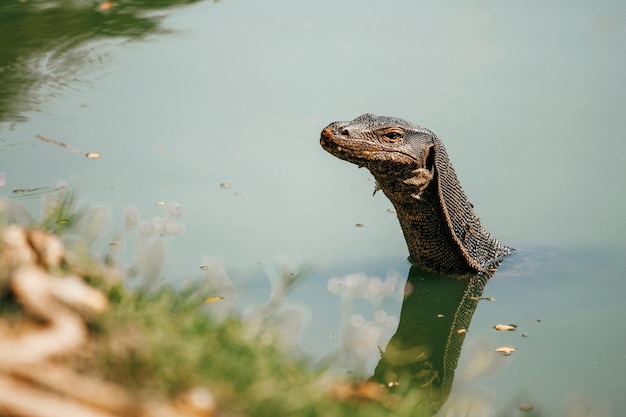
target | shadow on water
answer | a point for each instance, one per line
(424, 352)
(43, 44)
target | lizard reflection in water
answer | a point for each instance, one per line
(453, 255)
(424, 352)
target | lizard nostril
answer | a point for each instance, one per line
(345, 132)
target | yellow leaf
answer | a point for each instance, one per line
(505, 327)
(213, 299)
(505, 350)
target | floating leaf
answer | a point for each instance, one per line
(505, 350)
(505, 327)
(483, 298)
(213, 299)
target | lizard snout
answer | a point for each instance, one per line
(327, 135)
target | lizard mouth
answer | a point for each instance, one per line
(343, 148)
(360, 152)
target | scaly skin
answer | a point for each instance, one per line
(412, 168)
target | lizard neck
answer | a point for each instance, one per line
(429, 239)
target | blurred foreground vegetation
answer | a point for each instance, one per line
(150, 344)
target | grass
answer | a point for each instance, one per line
(165, 342)
(162, 342)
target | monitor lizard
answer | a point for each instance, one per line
(411, 167)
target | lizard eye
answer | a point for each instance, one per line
(392, 135)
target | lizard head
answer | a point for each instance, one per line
(389, 147)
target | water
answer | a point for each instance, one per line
(528, 99)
